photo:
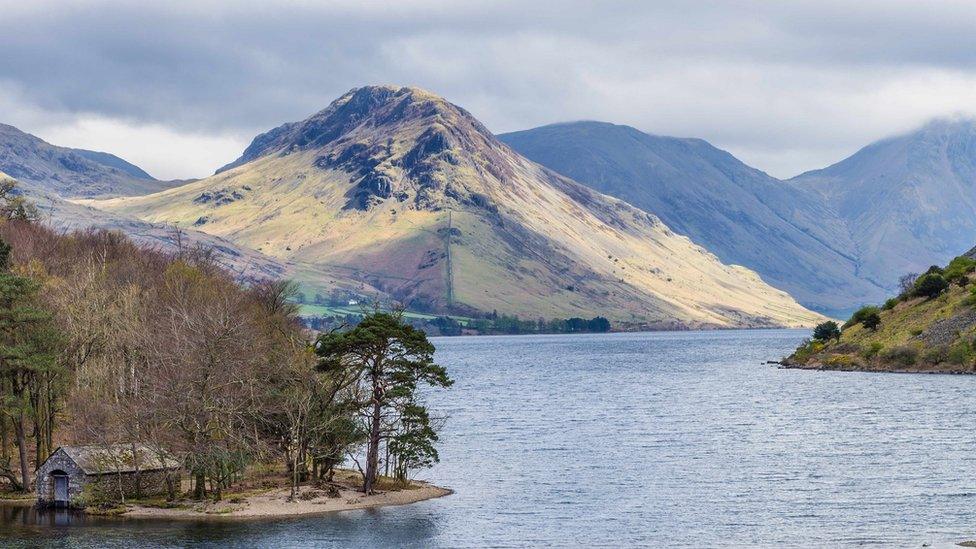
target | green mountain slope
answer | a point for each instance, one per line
(410, 194)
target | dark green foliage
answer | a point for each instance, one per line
(492, 324)
(389, 359)
(579, 325)
(900, 356)
(599, 324)
(971, 298)
(28, 353)
(889, 304)
(867, 316)
(412, 446)
(961, 353)
(936, 355)
(959, 269)
(447, 325)
(871, 320)
(872, 351)
(930, 285)
(826, 331)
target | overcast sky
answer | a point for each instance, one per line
(180, 88)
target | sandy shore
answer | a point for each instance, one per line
(274, 503)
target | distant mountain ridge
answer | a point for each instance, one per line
(409, 193)
(834, 238)
(112, 161)
(907, 201)
(70, 172)
(741, 214)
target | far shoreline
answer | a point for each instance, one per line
(622, 332)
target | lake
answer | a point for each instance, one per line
(674, 439)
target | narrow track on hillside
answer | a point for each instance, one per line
(450, 269)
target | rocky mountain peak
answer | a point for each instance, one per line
(400, 142)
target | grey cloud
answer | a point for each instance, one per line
(802, 78)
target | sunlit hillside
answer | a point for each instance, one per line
(409, 193)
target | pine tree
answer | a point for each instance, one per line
(27, 354)
(390, 359)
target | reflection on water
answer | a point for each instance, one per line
(667, 439)
(27, 515)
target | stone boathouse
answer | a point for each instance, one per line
(76, 475)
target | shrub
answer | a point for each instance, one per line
(872, 351)
(936, 355)
(840, 360)
(868, 316)
(901, 355)
(971, 298)
(890, 304)
(906, 284)
(826, 331)
(871, 320)
(960, 353)
(806, 350)
(959, 269)
(930, 285)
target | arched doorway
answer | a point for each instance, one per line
(59, 488)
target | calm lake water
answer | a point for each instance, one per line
(662, 439)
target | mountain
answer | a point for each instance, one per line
(113, 161)
(739, 213)
(70, 172)
(909, 201)
(410, 194)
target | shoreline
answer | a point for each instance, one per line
(274, 503)
(703, 330)
(268, 503)
(819, 367)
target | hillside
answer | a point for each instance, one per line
(928, 328)
(65, 216)
(409, 193)
(739, 213)
(70, 172)
(908, 201)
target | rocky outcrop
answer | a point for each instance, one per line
(221, 197)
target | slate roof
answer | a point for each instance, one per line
(96, 459)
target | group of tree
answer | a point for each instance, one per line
(104, 341)
(936, 280)
(491, 324)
